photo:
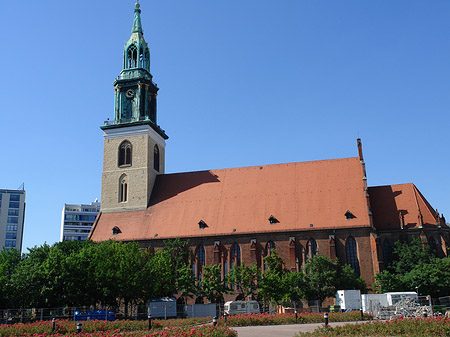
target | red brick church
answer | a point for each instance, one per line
(237, 215)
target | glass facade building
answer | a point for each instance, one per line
(77, 220)
(12, 216)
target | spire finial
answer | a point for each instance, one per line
(137, 27)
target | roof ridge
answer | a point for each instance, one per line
(263, 165)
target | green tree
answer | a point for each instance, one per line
(159, 280)
(272, 287)
(294, 287)
(321, 275)
(180, 255)
(9, 259)
(212, 286)
(28, 279)
(347, 279)
(246, 279)
(409, 255)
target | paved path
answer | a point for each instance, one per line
(281, 330)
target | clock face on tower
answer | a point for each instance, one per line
(129, 93)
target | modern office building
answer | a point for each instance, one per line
(77, 220)
(12, 215)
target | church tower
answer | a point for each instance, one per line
(134, 145)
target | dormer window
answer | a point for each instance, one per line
(202, 224)
(349, 215)
(273, 220)
(116, 230)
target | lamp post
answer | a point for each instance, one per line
(79, 327)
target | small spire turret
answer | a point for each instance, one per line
(137, 26)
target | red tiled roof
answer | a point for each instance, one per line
(390, 203)
(240, 200)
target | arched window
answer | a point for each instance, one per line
(200, 255)
(123, 189)
(132, 56)
(387, 252)
(156, 158)
(434, 244)
(352, 254)
(311, 249)
(235, 255)
(125, 151)
(269, 248)
(200, 260)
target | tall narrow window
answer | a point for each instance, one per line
(125, 152)
(200, 260)
(269, 248)
(311, 249)
(156, 158)
(123, 189)
(387, 252)
(235, 255)
(132, 57)
(141, 58)
(352, 254)
(268, 251)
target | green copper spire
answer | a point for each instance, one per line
(137, 26)
(136, 55)
(135, 92)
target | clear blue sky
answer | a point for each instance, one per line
(242, 83)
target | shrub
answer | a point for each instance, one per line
(432, 326)
(276, 319)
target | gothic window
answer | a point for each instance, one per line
(269, 248)
(235, 255)
(132, 56)
(311, 249)
(200, 260)
(125, 153)
(387, 252)
(156, 158)
(123, 189)
(434, 244)
(352, 254)
(268, 251)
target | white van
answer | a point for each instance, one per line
(241, 307)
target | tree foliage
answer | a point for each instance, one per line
(112, 273)
(415, 267)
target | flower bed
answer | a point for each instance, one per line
(118, 328)
(276, 319)
(433, 326)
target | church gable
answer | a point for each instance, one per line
(401, 206)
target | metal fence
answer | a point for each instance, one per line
(11, 316)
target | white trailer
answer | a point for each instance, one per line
(349, 299)
(241, 307)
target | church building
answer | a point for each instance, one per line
(238, 215)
